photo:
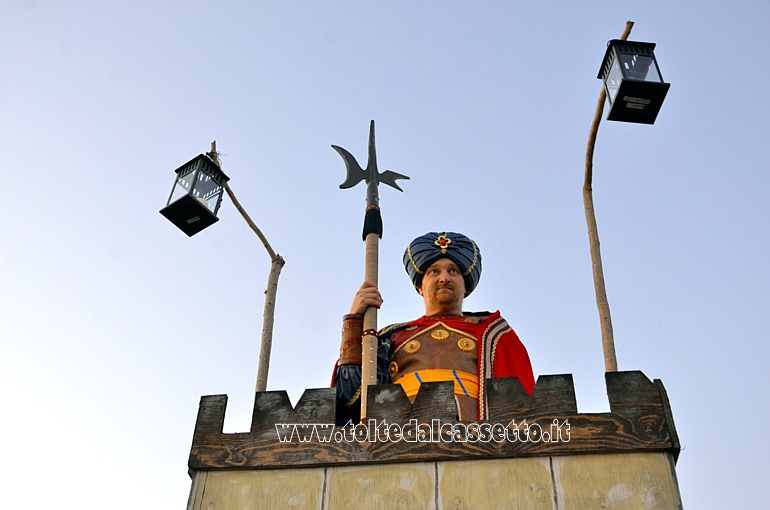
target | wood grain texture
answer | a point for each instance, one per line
(676, 447)
(577, 482)
(271, 407)
(197, 489)
(435, 400)
(496, 483)
(397, 486)
(624, 482)
(554, 395)
(297, 489)
(544, 424)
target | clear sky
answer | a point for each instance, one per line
(113, 323)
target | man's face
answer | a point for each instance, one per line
(443, 288)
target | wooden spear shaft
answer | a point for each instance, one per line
(371, 235)
(608, 338)
(369, 340)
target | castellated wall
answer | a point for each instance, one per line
(534, 452)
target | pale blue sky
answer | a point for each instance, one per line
(113, 323)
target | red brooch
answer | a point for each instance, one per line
(442, 242)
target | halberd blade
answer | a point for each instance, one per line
(389, 177)
(371, 175)
(356, 174)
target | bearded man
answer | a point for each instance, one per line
(445, 344)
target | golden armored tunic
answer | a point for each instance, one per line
(437, 353)
(468, 349)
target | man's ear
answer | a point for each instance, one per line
(419, 289)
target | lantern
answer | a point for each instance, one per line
(196, 195)
(633, 81)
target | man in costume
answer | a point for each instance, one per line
(445, 344)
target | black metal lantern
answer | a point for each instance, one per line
(633, 81)
(196, 195)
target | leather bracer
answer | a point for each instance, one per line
(352, 330)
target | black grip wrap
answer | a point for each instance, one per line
(372, 223)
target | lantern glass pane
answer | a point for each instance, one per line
(207, 191)
(614, 78)
(184, 183)
(639, 67)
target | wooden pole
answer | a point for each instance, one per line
(372, 232)
(277, 263)
(369, 340)
(608, 339)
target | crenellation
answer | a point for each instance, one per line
(427, 430)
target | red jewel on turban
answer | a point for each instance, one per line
(442, 242)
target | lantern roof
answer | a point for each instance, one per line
(208, 160)
(633, 46)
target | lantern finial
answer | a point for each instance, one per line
(214, 155)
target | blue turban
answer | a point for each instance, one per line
(427, 249)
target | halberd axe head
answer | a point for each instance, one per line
(371, 175)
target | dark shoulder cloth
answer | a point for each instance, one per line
(347, 378)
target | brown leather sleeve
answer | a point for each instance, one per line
(352, 329)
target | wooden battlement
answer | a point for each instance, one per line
(544, 424)
(536, 452)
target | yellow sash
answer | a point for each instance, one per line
(465, 383)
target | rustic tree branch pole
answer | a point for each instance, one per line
(608, 339)
(277, 263)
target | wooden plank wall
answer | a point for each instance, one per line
(629, 481)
